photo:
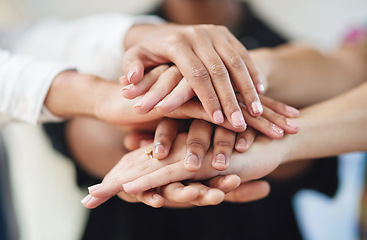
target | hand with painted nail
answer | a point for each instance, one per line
(211, 61)
(136, 172)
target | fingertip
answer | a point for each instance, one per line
(260, 88)
(220, 162)
(241, 145)
(277, 130)
(159, 151)
(192, 163)
(256, 108)
(237, 119)
(292, 112)
(218, 117)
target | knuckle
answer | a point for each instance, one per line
(223, 143)
(237, 62)
(196, 143)
(199, 74)
(175, 38)
(218, 70)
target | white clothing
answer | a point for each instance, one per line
(92, 45)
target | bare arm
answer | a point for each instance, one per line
(300, 76)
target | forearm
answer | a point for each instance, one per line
(331, 128)
(300, 76)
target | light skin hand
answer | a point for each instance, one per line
(206, 55)
(156, 173)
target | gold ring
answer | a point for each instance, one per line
(149, 153)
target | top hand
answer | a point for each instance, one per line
(208, 56)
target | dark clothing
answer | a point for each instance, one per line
(269, 218)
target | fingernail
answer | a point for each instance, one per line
(156, 196)
(260, 88)
(237, 119)
(130, 74)
(192, 159)
(94, 187)
(277, 129)
(159, 148)
(257, 108)
(139, 104)
(128, 87)
(86, 199)
(241, 145)
(159, 104)
(292, 123)
(292, 110)
(218, 117)
(220, 158)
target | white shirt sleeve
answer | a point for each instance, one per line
(24, 83)
(94, 45)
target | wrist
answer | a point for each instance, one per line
(137, 33)
(70, 95)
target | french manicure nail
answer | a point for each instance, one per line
(86, 199)
(94, 187)
(292, 123)
(257, 108)
(220, 158)
(292, 110)
(260, 88)
(241, 145)
(139, 104)
(159, 148)
(128, 87)
(218, 117)
(130, 74)
(192, 159)
(237, 119)
(277, 129)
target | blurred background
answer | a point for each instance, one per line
(42, 183)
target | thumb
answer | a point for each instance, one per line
(138, 59)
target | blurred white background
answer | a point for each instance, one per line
(46, 198)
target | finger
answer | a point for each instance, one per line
(131, 198)
(225, 183)
(171, 173)
(223, 145)
(255, 75)
(220, 80)
(133, 140)
(166, 82)
(179, 193)
(132, 91)
(199, 79)
(197, 144)
(165, 134)
(263, 125)
(236, 64)
(92, 202)
(289, 125)
(247, 192)
(123, 81)
(279, 107)
(136, 59)
(207, 196)
(179, 95)
(151, 198)
(245, 139)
